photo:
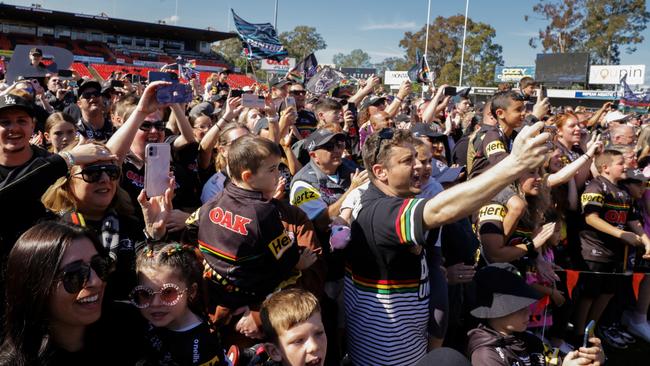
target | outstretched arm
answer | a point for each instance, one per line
(529, 151)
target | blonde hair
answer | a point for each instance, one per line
(285, 309)
(59, 197)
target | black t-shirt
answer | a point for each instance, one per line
(486, 148)
(195, 346)
(186, 172)
(612, 204)
(89, 132)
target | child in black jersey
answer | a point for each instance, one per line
(169, 279)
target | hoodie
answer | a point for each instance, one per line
(488, 347)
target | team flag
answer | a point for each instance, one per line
(259, 41)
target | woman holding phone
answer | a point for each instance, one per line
(55, 290)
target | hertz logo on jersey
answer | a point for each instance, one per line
(493, 212)
(495, 147)
(280, 245)
(305, 195)
(595, 199)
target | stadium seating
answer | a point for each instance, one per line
(105, 70)
(81, 69)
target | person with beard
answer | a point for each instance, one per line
(387, 287)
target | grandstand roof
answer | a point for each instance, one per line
(110, 25)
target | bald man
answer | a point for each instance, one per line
(380, 119)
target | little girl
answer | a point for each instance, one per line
(169, 278)
(60, 131)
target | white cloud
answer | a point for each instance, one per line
(172, 19)
(389, 26)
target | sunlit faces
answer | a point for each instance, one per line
(424, 157)
(569, 133)
(329, 156)
(615, 169)
(304, 344)
(513, 115)
(61, 135)
(402, 171)
(252, 116)
(530, 183)
(82, 308)
(555, 163)
(92, 198)
(464, 106)
(158, 313)
(331, 116)
(155, 134)
(16, 128)
(267, 176)
(91, 101)
(201, 126)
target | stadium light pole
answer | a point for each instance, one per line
(462, 51)
(275, 16)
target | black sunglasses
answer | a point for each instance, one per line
(75, 275)
(93, 173)
(90, 94)
(297, 92)
(384, 134)
(147, 125)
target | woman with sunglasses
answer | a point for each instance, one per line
(91, 197)
(56, 279)
(170, 278)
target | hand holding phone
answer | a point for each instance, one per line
(589, 333)
(156, 168)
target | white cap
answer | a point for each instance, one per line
(615, 116)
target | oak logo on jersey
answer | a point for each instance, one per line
(495, 147)
(280, 245)
(493, 212)
(595, 199)
(229, 221)
(305, 195)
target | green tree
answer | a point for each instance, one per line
(482, 54)
(613, 26)
(392, 64)
(603, 28)
(231, 50)
(564, 32)
(302, 41)
(356, 58)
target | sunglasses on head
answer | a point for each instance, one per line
(333, 144)
(93, 173)
(170, 294)
(75, 275)
(148, 125)
(384, 134)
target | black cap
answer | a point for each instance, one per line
(90, 84)
(371, 100)
(443, 356)
(277, 82)
(13, 101)
(501, 291)
(424, 130)
(634, 175)
(36, 51)
(321, 137)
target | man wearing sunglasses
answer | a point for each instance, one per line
(93, 122)
(306, 123)
(394, 231)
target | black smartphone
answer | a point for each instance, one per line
(543, 92)
(65, 74)
(162, 76)
(353, 108)
(615, 104)
(234, 93)
(450, 91)
(117, 84)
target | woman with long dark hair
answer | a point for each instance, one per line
(56, 276)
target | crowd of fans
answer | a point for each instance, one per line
(354, 228)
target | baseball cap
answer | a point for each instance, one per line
(444, 174)
(90, 84)
(371, 100)
(321, 137)
(13, 101)
(205, 108)
(635, 175)
(615, 116)
(500, 291)
(424, 130)
(277, 82)
(36, 51)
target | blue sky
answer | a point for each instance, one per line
(376, 26)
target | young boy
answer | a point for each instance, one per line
(292, 324)
(247, 250)
(611, 224)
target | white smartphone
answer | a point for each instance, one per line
(290, 102)
(156, 169)
(252, 101)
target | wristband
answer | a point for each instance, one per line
(530, 247)
(69, 159)
(398, 98)
(588, 157)
(149, 238)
